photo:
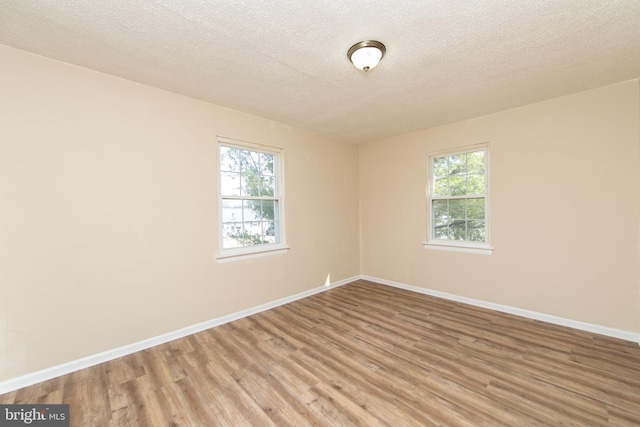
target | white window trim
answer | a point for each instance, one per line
(466, 247)
(243, 255)
(238, 254)
(483, 248)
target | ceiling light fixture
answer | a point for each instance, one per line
(366, 55)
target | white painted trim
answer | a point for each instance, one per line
(583, 326)
(86, 362)
(459, 150)
(482, 250)
(230, 255)
(222, 259)
(487, 196)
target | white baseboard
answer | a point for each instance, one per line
(86, 362)
(588, 327)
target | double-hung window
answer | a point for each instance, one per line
(250, 199)
(458, 200)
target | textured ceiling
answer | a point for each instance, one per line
(286, 59)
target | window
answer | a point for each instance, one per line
(458, 199)
(250, 199)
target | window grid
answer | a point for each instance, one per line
(250, 197)
(458, 194)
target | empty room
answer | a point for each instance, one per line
(249, 213)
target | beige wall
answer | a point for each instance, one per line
(108, 213)
(565, 181)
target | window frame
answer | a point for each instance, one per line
(468, 246)
(253, 251)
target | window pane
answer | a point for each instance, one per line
(441, 167)
(249, 223)
(441, 232)
(475, 208)
(458, 164)
(229, 159)
(251, 210)
(476, 230)
(457, 209)
(253, 161)
(267, 164)
(268, 232)
(254, 184)
(231, 211)
(457, 222)
(442, 187)
(243, 160)
(268, 209)
(475, 162)
(458, 185)
(245, 189)
(257, 177)
(248, 176)
(253, 234)
(458, 229)
(232, 235)
(475, 184)
(441, 211)
(230, 184)
(267, 185)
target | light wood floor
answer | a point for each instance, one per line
(362, 354)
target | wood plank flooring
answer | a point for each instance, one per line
(362, 355)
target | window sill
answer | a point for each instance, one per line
(453, 247)
(255, 253)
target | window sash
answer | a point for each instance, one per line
(433, 235)
(254, 232)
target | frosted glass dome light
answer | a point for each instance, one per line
(366, 55)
